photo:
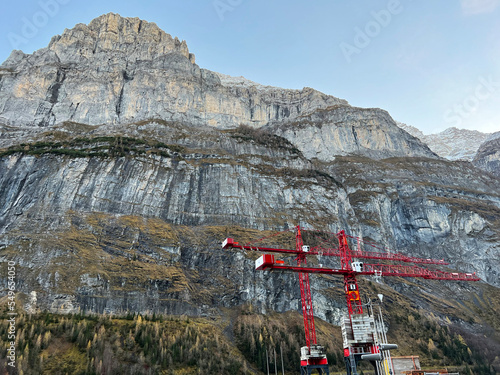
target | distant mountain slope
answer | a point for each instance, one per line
(452, 143)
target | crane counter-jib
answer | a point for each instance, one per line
(230, 243)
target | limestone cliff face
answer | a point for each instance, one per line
(89, 211)
(123, 166)
(346, 130)
(425, 204)
(121, 70)
(142, 230)
(196, 189)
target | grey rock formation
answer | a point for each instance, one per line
(346, 130)
(488, 155)
(121, 70)
(126, 170)
(419, 206)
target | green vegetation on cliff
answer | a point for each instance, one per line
(102, 146)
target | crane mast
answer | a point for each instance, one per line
(312, 356)
(305, 292)
(351, 289)
(363, 335)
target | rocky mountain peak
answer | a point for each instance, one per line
(121, 71)
(110, 38)
(129, 39)
(411, 129)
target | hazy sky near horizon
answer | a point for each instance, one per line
(430, 64)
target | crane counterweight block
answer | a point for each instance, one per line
(228, 243)
(263, 262)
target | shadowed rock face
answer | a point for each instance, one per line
(127, 168)
(488, 155)
(421, 206)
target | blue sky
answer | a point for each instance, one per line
(431, 64)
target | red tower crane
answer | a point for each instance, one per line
(358, 328)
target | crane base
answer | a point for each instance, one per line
(308, 370)
(357, 358)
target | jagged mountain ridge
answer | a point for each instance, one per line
(482, 149)
(123, 206)
(452, 143)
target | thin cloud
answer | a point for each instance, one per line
(471, 7)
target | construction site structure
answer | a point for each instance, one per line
(363, 334)
(405, 365)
